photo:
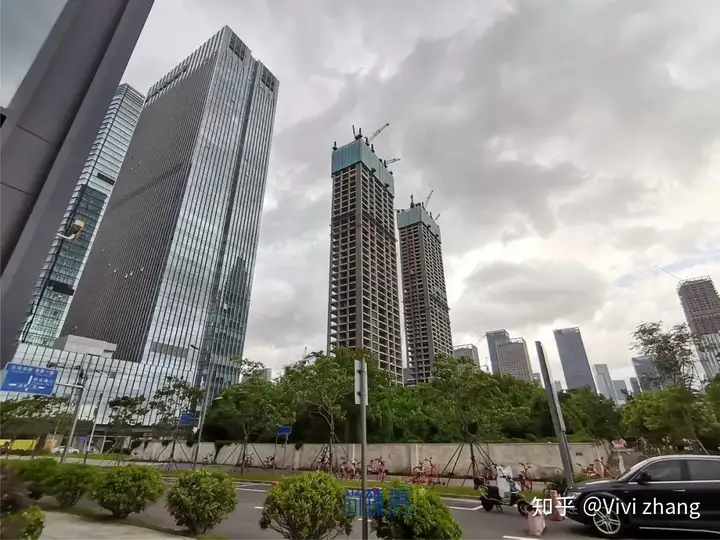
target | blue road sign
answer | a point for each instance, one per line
(83, 438)
(29, 379)
(283, 431)
(352, 502)
(186, 419)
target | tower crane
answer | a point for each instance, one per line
(668, 273)
(378, 132)
(390, 161)
(428, 198)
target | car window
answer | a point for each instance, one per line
(664, 471)
(704, 469)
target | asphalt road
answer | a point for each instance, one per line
(476, 523)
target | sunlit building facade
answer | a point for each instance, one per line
(170, 276)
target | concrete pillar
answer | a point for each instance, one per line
(46, 136)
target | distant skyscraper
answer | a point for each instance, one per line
(364, 302)
(604, 381)
(701, 304)
(66, 260)
(467, 351)
(621, 391)
(427, 317)
(558, 385)
(513, 359)
(647, 373)
(170, 274)
(635, 385)
(495, 338)
(573, 358)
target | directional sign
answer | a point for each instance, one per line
(83, 438)
(186, 419)
(283, 431)
(29, 379)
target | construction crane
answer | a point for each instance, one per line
(668, 273)
(378, 132)
(391, 161)
(428, 198)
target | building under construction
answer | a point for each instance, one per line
(427, 315)
(364, 303)
(701, 304)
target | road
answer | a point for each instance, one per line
(476, 523)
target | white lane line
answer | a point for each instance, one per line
(259, 508)
(518, 538)
(251, 490)
(456, 499)
(462, 508)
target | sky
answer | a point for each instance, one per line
(573, 150)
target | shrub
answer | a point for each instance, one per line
(425, 516)
(18, 519)
(200, 500)
(72, 481)
(127, 490)
(37, 474)
(309, 505)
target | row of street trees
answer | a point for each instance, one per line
(460, 404)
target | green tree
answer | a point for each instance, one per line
(673, 352)
(170, 402)
(33, 417)
(248, 409)
(125, 413)
(318, 387)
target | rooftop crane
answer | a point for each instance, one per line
(668, 273)
(390, 161)
(428, 198)
(378, 132)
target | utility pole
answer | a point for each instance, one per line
(557, 415)
(203, 412)
(92, 431)
(80, 388)
(361, 398)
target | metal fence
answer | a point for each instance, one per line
(104, 379)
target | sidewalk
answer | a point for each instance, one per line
(61, 526)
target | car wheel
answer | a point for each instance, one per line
(607, 522)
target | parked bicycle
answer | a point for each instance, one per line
(604, 467)
(323, 463)
(588, 471)
(525, 478)
(208, 458)
(268, 462)
(377, 467)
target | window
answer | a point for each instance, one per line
(704, 469)
(664, 471)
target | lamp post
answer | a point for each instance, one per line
(206, 399)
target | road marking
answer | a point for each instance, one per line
(518, 538)
(463, 508)
(251, 490)
(259, 508)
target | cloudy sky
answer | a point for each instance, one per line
(573, 148)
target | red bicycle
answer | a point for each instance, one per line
(588, 471)
(377, 466)
(605, 468)
(431, 472)
(524, 478)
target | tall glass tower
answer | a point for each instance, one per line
(574, 359)
(66, 260)
(169, 278)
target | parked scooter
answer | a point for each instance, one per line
(506, 493)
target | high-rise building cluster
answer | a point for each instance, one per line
(168, 207)
(153, 260)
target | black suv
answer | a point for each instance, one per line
(674, 493)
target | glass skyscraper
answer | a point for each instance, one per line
(66, 260)
(169, 278)
(574, 359)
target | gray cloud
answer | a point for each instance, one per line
(526, 117)
(527, 295)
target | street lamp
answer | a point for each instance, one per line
(206, 397)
